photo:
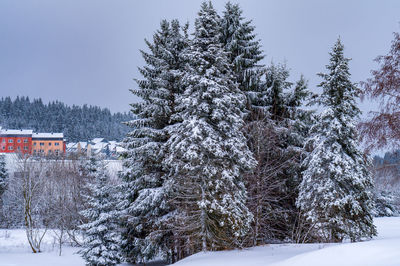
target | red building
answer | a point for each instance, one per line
(15, 141)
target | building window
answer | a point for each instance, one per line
(57, 144)
(25, 140)
(34, 144)
(10, 141)
(4, 141)
(49, 143)
(19, 141)
(25, 148)
(10, 148)
(4, 147)
(19, 148)
(41, 143)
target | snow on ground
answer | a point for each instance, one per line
(15, 251)
(384, 250)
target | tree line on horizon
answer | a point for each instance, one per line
(78, 123)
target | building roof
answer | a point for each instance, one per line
(16, 132)
(48, 135)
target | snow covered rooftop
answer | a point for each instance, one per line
(16, 132)
(99, 145)
(71, 145)
(48, 135)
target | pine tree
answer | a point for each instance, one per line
(336, 190)
(3, 175)
(144, 199)
(245, 54)
(207, 152)
(101, 239)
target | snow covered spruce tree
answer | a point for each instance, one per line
(144, 200)
(336, 191)
(244, 49)
(101, 238)
(3, 186)
(207, 152)
(3, 175)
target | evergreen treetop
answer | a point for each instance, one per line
(244, 49)
(339, 92)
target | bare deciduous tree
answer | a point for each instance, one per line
(382, 129)
(30, 185)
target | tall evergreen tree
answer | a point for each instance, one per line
(207, 152)
(144, 196)
(101, 239)
(244, 50)
(336, 190)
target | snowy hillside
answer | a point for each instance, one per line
(382, 251)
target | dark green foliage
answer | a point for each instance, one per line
(385, 204)
(335, 194)
(76, 122)
(276, 134)
(3, 175)
(244, 50)
(144, 200)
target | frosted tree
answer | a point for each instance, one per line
(207, 152)
(101, 238)
(244, 49)
(144, 200)
(335, 194)
(3, 175)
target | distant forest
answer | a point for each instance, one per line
(78, 123)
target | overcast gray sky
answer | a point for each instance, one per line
(87, 51)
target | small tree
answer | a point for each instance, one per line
(3, 175)
(28, 189)
(3, 183)
(101, 239)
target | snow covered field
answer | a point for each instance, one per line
(384, 250)
(15, 251)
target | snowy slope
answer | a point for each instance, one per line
(384, 250)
